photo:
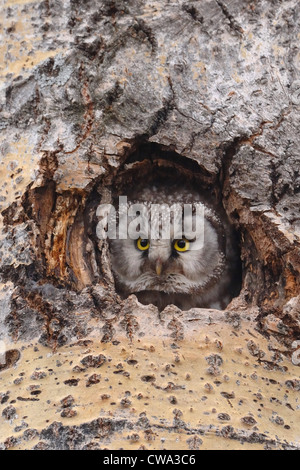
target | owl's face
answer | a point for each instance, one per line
(184, 265)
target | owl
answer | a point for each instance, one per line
(163, 260)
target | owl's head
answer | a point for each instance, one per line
(185, 261)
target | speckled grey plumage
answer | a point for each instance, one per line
(200, 277)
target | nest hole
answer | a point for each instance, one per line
(152, 166)
(72, 255)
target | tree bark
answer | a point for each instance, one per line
(96, 97)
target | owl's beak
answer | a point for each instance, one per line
(158, 267)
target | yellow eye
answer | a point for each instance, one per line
(182, 245)
(143, 244)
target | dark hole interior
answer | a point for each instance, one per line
(151, 165)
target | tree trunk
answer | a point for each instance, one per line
(95, 97)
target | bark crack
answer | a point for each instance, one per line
(89, 114)
(175, 105)
(193, 12)
(233, 24)
(92, 432)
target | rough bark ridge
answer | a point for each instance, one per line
(98, 95)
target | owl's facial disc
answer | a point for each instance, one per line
(162, 257)
(181, 264)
